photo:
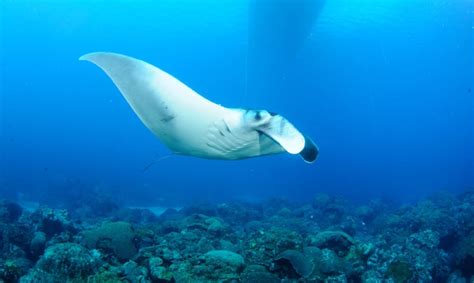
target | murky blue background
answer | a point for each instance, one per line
(383, 87)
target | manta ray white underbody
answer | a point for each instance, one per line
(189, 124)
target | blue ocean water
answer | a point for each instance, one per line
(384, 88)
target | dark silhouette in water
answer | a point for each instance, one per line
(277, 31)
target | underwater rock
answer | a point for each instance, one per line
(15, 236)
(170, 255)
(109, 275)
(238, 214)
(299, 262)
(313, 264)
(273, 206)
(297, 225)
(86, 202)
(371, 276)
(456, 277)
(10, 212)
(289, 244)
(195, 222)
(12, 269)
(399, 271)
(216, 227)
(38, 243)
(157, 271)
(198, 223)
(115, 237)
(135, 273)
(425, 215)
(285, 212)
(166, 251)
(258, 273)
(348, 225)
(183, 272)
(135, 215)
(427, 238)
(329, 263)
(261, 247)
(100, 204)
(221, 265)
(337, 241)
(144, 238)
(365, 250)
(356, 260)
(226, 245)
(416, 257)
(255, 226)
(328, 209)
(322, 200)
(304, 211)
(64, 262)
(52, 221)
(161, 274)
(224, 258)
(189, 243)
(170, 214)
(341, 278)
(366, 213)
(168, 226)
(200, 208)
(464, 255)
(155, 261)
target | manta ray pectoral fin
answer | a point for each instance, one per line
(290, 139)
(142, 85)
(310, 151)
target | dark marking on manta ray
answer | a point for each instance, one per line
(272, 113)
(167, 119)
(227, 127)
(258, 116)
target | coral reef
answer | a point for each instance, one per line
(329, 240)
(116, 238)
(64, 262)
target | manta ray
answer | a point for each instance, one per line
(189, 124)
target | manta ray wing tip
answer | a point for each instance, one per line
(90, 56)
(310, 151)
(85, 57)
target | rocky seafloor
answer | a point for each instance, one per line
(327, 240)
